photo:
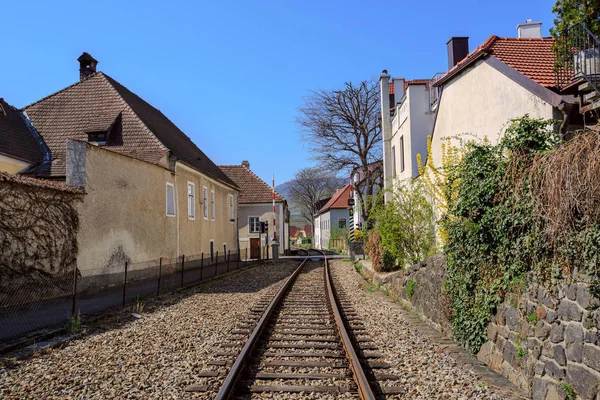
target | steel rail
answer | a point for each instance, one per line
(231, 379)
(364, 389)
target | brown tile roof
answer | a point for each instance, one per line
(38, 183)
(391, 87)
(16, 139)
(339, 199)
(252, 188)
(415, 82)
(99, 102)
(532, 57)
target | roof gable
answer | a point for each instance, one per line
(252, 188)
(339, 199)
(532, 57)
(16, 139)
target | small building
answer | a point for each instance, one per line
(21, 147)
(407, 121)
(150, 192)
(332, 220)
(255, 206)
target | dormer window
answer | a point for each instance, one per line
(99, 138)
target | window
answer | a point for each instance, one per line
(212, 205)
(231, 213)
(401, 153)
(170, 200)
(253, 225)
(342, 223)
(393, 161)
(191, 200)
(205, 202)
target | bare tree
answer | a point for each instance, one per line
(344, 132)
(310, 185)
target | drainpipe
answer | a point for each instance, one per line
(177, 210)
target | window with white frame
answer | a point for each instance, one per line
(393, 161)
(401, 153)
(191, 200)
(212, 204)
(253, 225)
(170, 199)
(231, 209)
(342, 223)
(205, 202)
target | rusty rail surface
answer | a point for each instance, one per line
(364, 389)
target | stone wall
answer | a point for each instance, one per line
(546, 340)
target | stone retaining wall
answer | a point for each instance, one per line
(546, 341)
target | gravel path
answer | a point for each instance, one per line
(154, 357)
(425, 371)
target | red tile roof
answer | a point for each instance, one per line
(339, 199)
(415, 82)
(252, 188)
(391, 86)
(533, 57)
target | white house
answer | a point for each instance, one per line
(333, 218)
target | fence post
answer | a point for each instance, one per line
(246, 257)
(201, 265)
(159, 275)
(216, 263)
(267, 247)
(228, 257)
(237, 262)
(125, 284)
(182, 268)
(74, 291)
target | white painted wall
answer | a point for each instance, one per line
(479, 103)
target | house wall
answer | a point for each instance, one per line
(326, 223)
(265, 212)
(123, 215)
(412, 121)
(11, 165)
(480, 102)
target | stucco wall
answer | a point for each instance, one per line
(480, 102)
(11, 165)
(123, 215)
(265, 213)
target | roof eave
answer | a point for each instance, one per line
(451, 74)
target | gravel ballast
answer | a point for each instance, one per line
(424, 370)
(154, 357)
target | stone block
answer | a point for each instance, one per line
(485, 353)
(542, 330)
(557, 332)
(572, 292)
(569, 311)
(559, 355)
(573, 333)
(575, 352)
(535, 347)
(591, 356)
(583, 380)
(510, 353)
(583, 296)
(541, 312)
(539, 368)
(492, 331)
(531, 307)
(511, 317)
(591, 336)
(554, 370)
(503, 331)
(551, 316)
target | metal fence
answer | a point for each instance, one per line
(31, 303)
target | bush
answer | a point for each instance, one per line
(406, 223)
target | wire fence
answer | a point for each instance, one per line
(32, 303)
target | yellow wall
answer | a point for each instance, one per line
(123, 216)
(11, 165)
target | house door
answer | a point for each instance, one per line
(254, 248)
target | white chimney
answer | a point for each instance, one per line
(398, 90)
(529, 30)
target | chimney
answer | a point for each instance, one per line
(529, 30)
(87, 66)
(458, 49)
(398, 90)
(246, 164)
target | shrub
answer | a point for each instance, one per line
(406, 223)
(410, 289)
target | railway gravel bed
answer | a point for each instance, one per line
(153, 357)
(424, 369)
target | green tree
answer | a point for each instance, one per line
(569, 12)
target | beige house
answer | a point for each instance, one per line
(502, 79)
(150, 192)
(255, 206)
(20, 145)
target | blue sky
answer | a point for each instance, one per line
(232, 74)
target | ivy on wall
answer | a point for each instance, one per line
(524, 205)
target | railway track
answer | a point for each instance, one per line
(303, 340)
